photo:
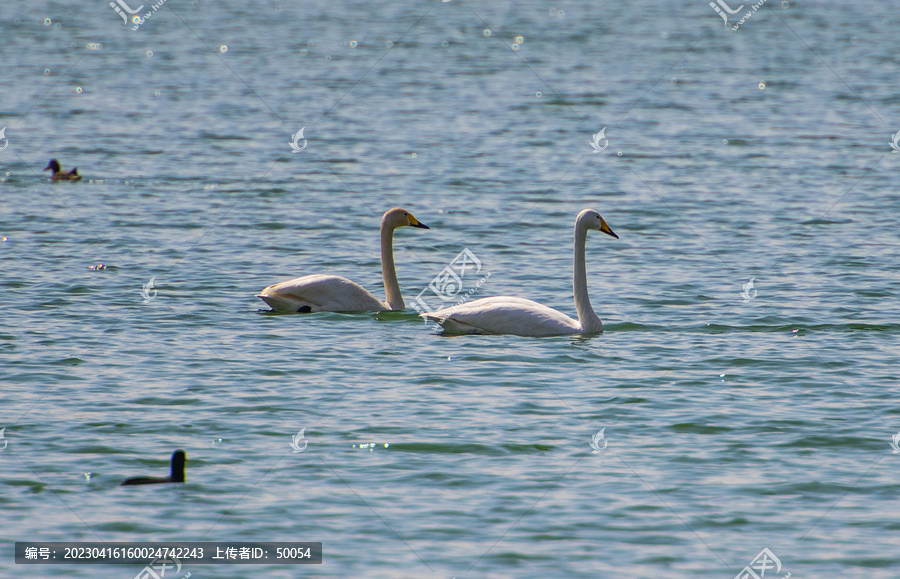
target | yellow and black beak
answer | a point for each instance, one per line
(416, 223)
(605, 228)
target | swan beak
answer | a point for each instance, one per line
(605, 229)
(416, 223)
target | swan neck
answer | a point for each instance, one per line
(388, 271)
(586, 316)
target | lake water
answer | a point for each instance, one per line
(729, 424)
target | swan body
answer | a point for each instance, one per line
(320, 293)
(505, 315)
(332, 293)
(523, 317)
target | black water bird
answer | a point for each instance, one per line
(177, 476)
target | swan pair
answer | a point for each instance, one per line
(495, 315)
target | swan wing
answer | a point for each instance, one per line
(320, 293)
(504, 315)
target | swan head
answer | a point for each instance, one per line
(397, 217)
(590, 219)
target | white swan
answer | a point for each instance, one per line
(521, 317)
(332, 293)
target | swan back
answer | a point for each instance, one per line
(320, 293)
(504, 315)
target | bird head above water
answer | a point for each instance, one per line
(590, 219)
(59, 174)
(397, 217)
(176, 473)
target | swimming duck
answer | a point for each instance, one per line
(177, 476)
(59, 175)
